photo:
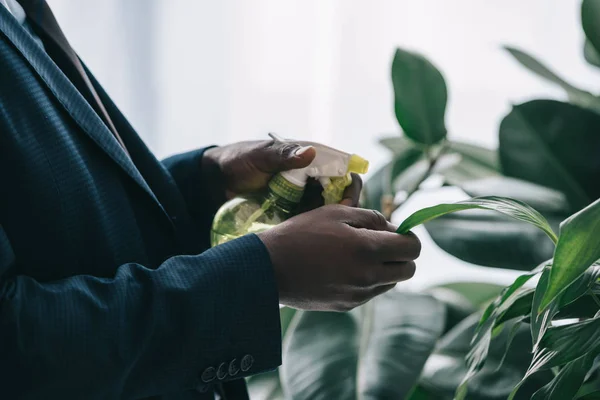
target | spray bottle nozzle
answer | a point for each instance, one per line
(357, 164)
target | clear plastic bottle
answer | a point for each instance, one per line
(256, 212)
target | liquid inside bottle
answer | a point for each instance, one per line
(255, 213)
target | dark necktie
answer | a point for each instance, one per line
(59, 49)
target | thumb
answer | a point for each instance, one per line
(285, 156)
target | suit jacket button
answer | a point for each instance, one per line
(234, 367)
(222, 371)
(209, 375)
(247, 362)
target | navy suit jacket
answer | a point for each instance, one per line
(108, 288)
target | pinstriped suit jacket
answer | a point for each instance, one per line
(107, 287)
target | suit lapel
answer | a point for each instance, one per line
(69, 97)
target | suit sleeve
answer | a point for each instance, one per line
(194, 321)
(194, 183)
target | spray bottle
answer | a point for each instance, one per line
(258, 212)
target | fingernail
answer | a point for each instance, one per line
(302, 150)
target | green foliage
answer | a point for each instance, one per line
(577, 249)
(535, 339)
(510, 207)
(553, 144)
(576, 95)
(590, 21)
(420, 97)
(350, 355)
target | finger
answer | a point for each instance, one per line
(366, 219)
(352, 193)
(282, 156)
(377, 290)
(383, 246)
(391, 273)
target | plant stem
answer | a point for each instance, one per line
(432, 163)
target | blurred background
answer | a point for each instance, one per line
(193, 73)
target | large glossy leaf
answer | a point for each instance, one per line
(485, 334)
(510, 244)
(463, 299)
(555, 145)
(576, 95)
(545, 200)
(477, 293)
(399, 144)
(567, 382)
(590, 21)
(476, 162)
(577, 249)
(265, 386)
(458, 307)
(590, 53)
(590, 396)
(420, 97)
(513, 208)
(333, 356)
(446, 367)
(493, 240)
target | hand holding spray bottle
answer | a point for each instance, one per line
(258, 212)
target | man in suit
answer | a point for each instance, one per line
(108, 288)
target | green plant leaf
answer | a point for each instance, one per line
(403, 162)
(564, 344)
(377, 186)
(399, 144)
(446, 368)
(411, 177)
(590, 21)
(463, 299)
(476, 162)
(286, 314)
(510, 207)
(576, 95)
(568, 381)
(458, 307)
(265, 386)
(555, 145)
(577, 249)
(545, 200)
(477, 293)
(420, 97)
(507, 296)
(590, 53)
(590, 396)
(486, 332)
(540, 322)
(510, 245)
(332, 356)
